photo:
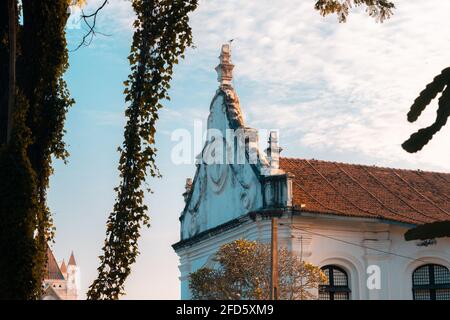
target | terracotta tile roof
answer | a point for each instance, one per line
(367, 191)
(63, 267)
(52, 270)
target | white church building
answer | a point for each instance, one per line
(61, 281)
(348, 219)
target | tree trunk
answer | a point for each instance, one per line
(12, 23)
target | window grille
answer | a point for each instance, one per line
(336, 285)
(431, 282)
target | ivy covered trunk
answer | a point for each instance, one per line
(40, 101)
(12, 36)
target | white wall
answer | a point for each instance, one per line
(319, 246)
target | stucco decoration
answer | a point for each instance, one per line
(217, 168)
(228, 183)
(230, 108)
(233, 107)
(198, 192)
(218, 174)
(193, 203)
(194, 225)
(221, 191)
(248, 194)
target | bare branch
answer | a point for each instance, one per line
(91, 32)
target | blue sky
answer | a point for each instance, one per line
(335, 91)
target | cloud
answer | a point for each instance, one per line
(116, 16)
(329, 86)
(113, 22)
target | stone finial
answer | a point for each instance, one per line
(225, 67)
(273, 150)
(188, 187)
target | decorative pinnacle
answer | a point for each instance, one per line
(273, 150)
(225, 68)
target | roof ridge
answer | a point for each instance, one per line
(365, 165)
(52, 270)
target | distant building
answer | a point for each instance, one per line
(61, 282)
(348, 219)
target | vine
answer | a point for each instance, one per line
(162, 34)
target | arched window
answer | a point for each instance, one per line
(336, 286)
(431, 282)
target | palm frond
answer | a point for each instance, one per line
(419, 139)
(428, 94)
(438, 229)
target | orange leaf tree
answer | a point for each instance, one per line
(243, 272)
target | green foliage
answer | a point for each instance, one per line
(44, 48)
(26, 162)
(22, 259)
(4, 70)
(377, 9)
(441, 83)
(243, 272)
(162, 34)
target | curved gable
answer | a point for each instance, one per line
(224, 188)
(233, 176)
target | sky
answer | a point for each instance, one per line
(334, 91)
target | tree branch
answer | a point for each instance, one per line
(91, 32)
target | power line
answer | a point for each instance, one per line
(358, 245)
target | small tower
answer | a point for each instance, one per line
(225, 67)
(73, 278)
